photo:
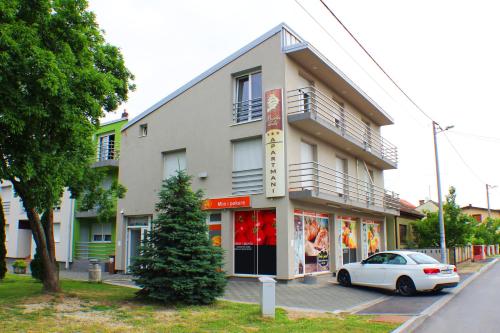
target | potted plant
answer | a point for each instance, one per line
(19, 266)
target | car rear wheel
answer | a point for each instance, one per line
(405, 286)
(344, 278)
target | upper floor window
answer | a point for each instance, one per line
(143, 130)
(248, 103)
(248, 165)
(101, 232)
(106, 147)
(6, 193)
(173, 162)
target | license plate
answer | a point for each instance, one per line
(446, 271)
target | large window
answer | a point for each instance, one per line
(173, 162)
(247, 166)
(248, 104)
(101, 232)
(106, 147)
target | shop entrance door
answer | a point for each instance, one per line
(349, 234)
(255, 242)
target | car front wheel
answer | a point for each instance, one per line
(405, 286)
(344, 278)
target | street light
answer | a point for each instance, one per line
(436, 128)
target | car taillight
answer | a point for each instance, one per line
(455, 269)
(432, 270)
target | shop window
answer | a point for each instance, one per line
(247, 177)
(214, 221)
(57, 232)
(101, 232)
(255, 242)
(248, 104)
(349, 234)
(311, 242)
(403, 234)
(173, 162)
(372, 237)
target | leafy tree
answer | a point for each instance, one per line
(459, 227)
(96, 196)
(178, 263)
(487, 233)
(3, 250)
(58, 77)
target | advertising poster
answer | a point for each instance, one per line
(349, 239)
(316, 242)
(255, 242)
(373, 237)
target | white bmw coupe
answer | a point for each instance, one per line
(404, 271)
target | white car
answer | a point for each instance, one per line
(404, 271)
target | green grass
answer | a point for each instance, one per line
(86, 307)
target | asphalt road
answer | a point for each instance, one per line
(474, 309)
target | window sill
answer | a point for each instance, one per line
(246, 122)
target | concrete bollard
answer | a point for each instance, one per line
(267, 297)
(95, 271)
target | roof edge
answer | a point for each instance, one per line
(208, 72)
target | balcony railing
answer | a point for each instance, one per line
(6, 207)
(107, 152)
(246, 111)
(320, 105)
(94, 250)
(321, 179)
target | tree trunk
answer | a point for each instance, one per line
(3, 250)
(51, 272)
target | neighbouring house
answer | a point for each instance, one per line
(399, 232)
(480, 214)
(427, 206)
(288, 151)
(19, 241)
(94, 239)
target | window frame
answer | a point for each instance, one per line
(143, 130)
(237, 102)
(171, 152)
(102, 234)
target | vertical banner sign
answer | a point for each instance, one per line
(275, 146)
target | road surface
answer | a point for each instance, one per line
(474, 309)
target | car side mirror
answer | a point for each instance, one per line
(363, 262)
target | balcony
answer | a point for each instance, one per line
(314, 112)
(315, 183)
(107, 155)
(247, 111)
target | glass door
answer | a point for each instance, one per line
(255, 242)
(349, 236)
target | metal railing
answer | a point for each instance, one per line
(94, 250)
(310, 99)
(322, 179)
(107, 152)
(249, 110)
(248, 181)
(6, 207)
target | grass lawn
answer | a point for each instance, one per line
(85, 307)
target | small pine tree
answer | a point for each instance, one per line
(36, 267)
(178, 263)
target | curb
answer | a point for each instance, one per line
(412, 324)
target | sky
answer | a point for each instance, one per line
(444, 54)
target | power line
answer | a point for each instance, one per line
(463, 160)
(376, 63)
(477, 136)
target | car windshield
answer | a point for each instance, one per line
(421, 258)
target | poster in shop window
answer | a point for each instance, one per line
(349, 239)
(373, 238)
(316, 242)
(298, 222)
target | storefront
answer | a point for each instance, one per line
(255, 242)
(311, 242)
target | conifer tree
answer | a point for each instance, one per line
(178, 263)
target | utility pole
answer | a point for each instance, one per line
(488, 187)
(444, 257)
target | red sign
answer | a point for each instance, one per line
(274, 112)
(225, 203)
